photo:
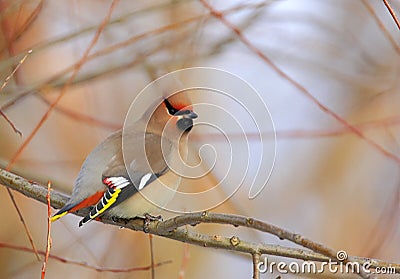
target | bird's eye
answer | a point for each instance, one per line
(170, 108)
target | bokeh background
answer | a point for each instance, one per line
(328, 184)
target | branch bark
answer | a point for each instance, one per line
(176, 228)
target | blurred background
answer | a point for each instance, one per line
(327, 184)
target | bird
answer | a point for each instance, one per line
(133, 172)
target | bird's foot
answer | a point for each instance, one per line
(148, 218)
(152, 218)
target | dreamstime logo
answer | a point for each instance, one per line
(308, 267)
(341, 255)
(227, 137)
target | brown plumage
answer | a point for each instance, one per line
(140, 158)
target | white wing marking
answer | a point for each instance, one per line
(144, 180)
(119, 182)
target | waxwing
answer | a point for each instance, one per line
(151, 148)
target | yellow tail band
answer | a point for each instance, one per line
(110, 202)
(58, 216)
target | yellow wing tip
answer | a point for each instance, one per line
(58, 216)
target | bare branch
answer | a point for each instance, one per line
(175, 228)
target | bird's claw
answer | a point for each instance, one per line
(152, 218)
(148, 218)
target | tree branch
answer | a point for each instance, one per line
(256, 269)
(176, 228)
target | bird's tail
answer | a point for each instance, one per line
(72, 207)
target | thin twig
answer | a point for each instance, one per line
(11, 123)
(83, 264)
(7, 79)
(392, 13)
(381, 25)
(48, 243)
(22, 220)
(185, 260)
(256, 260)
(153, 275)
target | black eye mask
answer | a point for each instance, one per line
(170, 108)
(186, 122)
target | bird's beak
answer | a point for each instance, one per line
(185, 123)
(191, 115)
(186, 114)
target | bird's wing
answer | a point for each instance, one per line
(120, 186)
(119, 189)
(88, 188)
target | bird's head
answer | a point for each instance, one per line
(174, 116)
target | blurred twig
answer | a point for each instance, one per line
(7, 79)
(153, 276)
(185, 260)
(78, 116)
(28, 22)
(82, 264)
(22, 220)
(77, 68)
(59, 80)
(175, 228)
(46, 115)
(386, 122)
(240, 35)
